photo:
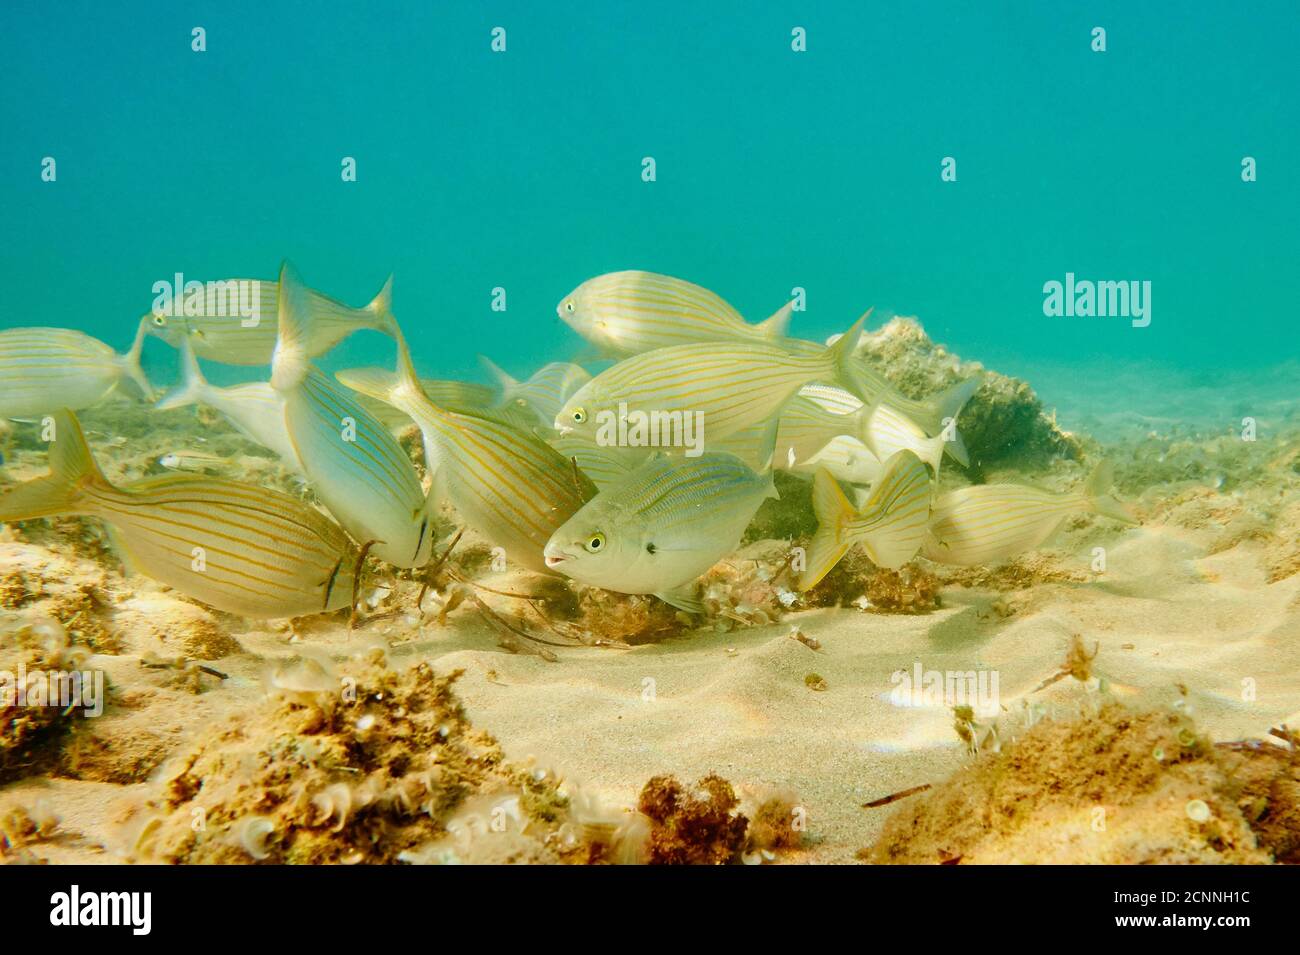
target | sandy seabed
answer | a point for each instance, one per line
(1194, 623)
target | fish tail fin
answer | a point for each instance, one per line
(828, 543)
(291, 360)
(59, 492)
(776, 325)
(193, 384)
(897, 512)
(842, 359)
(381, 308)
(505, 381)
(948, 405)
(1098, 493)
(131, 360)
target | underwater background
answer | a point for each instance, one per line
(774, 169)
(941, 162)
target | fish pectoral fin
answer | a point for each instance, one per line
(686, 597)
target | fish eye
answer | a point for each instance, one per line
(160, 320)
(579, 415)
(569, 306)
(595, 543)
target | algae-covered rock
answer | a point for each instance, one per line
(363, 764)
(1117, 787)
(44, 695)
(1004, 423)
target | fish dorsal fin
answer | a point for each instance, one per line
(776, 325)
(505, 381)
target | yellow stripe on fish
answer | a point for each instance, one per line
(238, 548)
(661, 527)
(245, 334)
(627, 313)
(506, 483)
(890, 526)
(45, 369)
(725, 386)
(355, 465)
(990, 523)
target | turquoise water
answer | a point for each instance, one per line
(775, 169)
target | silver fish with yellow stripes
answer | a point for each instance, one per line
(542, 395)
(255, 408)
(890, 526)
(939, 416)
(660, 528)
(238, 548)
(234, 321)
(627, 313)
(45, 369)
(990, 523)
(725, 386)
(886, 431)
(933, 413)
(506, 483)
(353, 462)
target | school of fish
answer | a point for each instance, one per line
(637, 479)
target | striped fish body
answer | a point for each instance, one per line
(808, 426)
(506, 483)
(663, 526)
(846, 458)
(886, 431)
(358, 470)
(45, 369)
(732, 385)
(238, 548)
(823, 410)
(242, 549)
(990, 523)
(222, 330)
(627, 313)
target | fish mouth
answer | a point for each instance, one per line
(554, 560)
